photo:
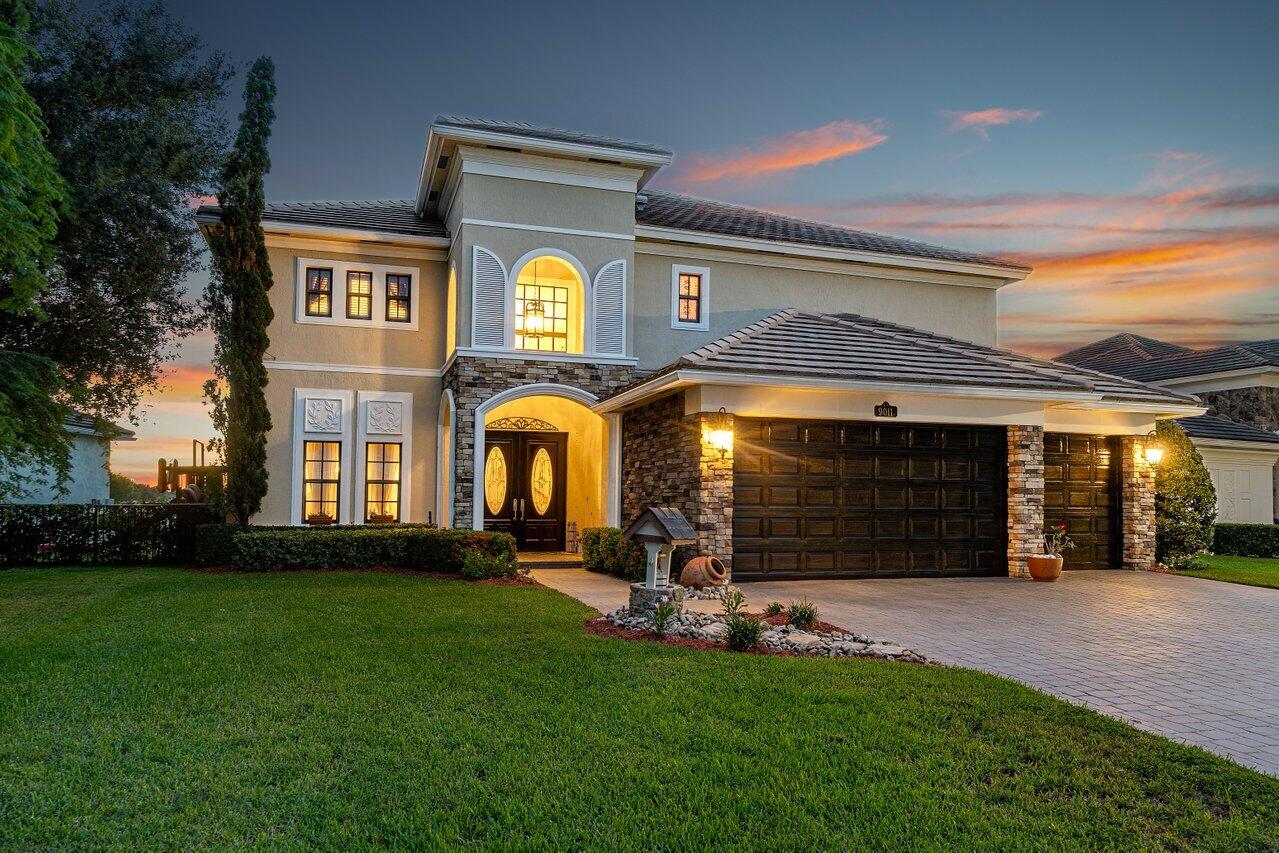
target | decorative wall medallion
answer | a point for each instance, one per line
(323, 415)
(522, 423)
(386, 417)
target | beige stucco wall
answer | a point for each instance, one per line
(333, 344)
(742, 293)
(547, 205)
(279, 451)
(1244, 481)
(585, 498)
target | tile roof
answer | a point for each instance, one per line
(1211, 426)
(672, 210)
(1118, 351)
(395, 217)
(87, 423)
(549, 134)
(1255, 354)
(799, 344)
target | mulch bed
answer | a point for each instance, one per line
(522, 580)
(601, 627)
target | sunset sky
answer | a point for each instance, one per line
(1128, 151)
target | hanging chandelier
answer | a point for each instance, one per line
(535, 309)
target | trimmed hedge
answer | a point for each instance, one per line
(1245, 540)
(402, 546)
(605, 551)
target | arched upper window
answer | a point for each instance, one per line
(549, 307)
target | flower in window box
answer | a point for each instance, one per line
(381, 518)
(319, 518)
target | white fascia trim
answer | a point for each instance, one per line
(1160, 410)
(359, 235)
(372, 369)
(701, 238)
(704, 297)
(1245, 373)
(1271, 448)
(684, 378)
(547, 229)
(473, 165)
(383, 250)
(526, 143)
(519, 355)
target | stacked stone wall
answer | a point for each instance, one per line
(1025, 497)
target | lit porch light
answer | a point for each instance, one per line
(1154, 450)
(720, 433)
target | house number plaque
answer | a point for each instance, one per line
(885, 410)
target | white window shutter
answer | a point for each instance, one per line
(488, 299)
(610, 309)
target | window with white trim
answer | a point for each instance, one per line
(333, 292)
(319, 292)
(690, 297)
(399, 295)
(382, 482)
(321, 481)
(359, 295)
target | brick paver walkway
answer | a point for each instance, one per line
(1191, 659)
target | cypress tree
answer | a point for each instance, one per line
(239, 307)
(1185, 500)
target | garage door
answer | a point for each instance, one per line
(825, 499)
(1081, 491)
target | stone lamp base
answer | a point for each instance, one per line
(644, 599)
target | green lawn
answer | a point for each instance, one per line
(1254, 571)
(160, 708)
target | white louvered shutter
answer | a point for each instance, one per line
(488, 300)
(610, 309)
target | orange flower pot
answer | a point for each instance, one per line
(1044, 567)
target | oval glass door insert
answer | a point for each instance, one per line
(542, 481)
(495, 480)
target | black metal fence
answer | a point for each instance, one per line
(99, 534)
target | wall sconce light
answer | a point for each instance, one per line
(1154, 451)
(720, 435)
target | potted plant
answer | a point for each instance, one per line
(381, 518)
(1047, 566)
(319, 518)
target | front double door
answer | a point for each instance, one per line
(524, 487)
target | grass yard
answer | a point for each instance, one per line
(160, 708)
(1253, 571)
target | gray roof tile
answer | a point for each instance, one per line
(395, 217)
(1151, 360)
(549, 134)
(1117, 352)
(672, 210)
(794, 343)
(1211, 426)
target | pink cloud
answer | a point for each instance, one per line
(793, 150)
(980, 121)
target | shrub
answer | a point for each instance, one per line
(479, 565)
(662, 617)
(260, 549)
(1185, 501)
(743, 633)
(774, 608)
(733, 602)
(1246, 540)
(1185, 564)
(215, 544)
(802, 614)
(606, 551)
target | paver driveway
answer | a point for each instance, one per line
(1188, 658)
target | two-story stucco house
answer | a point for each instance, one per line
(539, 338)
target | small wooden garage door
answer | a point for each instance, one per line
(826, 499)
(1081, 491)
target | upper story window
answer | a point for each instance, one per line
(319, 292)
(690, 302)
(332, 292)
(398, 297)
(359, 295)
(548, 307)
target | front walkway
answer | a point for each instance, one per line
(1191, 659)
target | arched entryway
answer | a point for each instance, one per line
(542, 462)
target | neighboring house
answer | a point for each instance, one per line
(89, 479)
(1240, 385)
(538, 338)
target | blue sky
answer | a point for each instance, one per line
(1130, 151)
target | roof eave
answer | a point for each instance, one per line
(661, 233)
(330, 232)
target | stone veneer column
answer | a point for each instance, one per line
(1025, 497)
(667, 461)
(1138, 505)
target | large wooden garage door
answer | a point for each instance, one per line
(1081, 491)
(825, 499)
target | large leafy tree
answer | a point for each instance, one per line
(31, 191)
(1185, 500)
(131, 105)
(238, 302)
